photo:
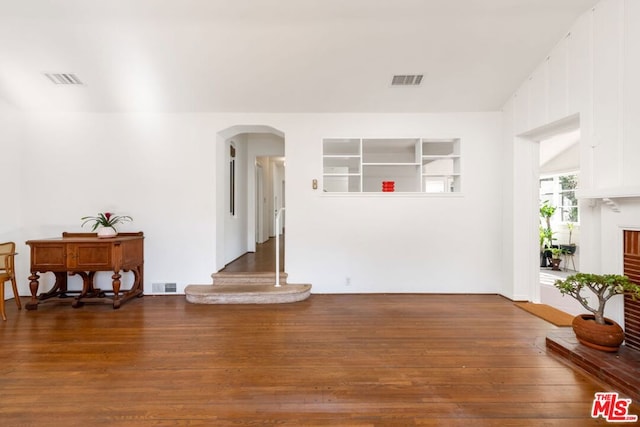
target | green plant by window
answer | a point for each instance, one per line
(546, 212)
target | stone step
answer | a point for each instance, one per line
(246, 293)
(262, 278)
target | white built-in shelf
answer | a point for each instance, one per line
(415, 165)
(608, 196)
(391, 164)
(439, 174)
(608, 193)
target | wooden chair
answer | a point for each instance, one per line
(7, 273)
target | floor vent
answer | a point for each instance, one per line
(407, 80)
(63, 78)
(163, 288)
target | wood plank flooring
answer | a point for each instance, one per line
(332, 360)
(263, 259)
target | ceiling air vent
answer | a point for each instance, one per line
(63, 78)
(407, 80)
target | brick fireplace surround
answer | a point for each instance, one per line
(632, 270)
(618, 371)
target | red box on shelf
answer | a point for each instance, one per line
(388, 186)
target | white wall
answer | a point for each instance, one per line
(395, 243)
(235, 235)
(267, 198)
(156, 168)
(159, 168)
(10, 166)
(595, 72)
(278, 180)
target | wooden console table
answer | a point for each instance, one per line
(84, 254)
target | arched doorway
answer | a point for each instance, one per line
(247, 156)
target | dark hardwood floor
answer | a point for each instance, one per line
(331, 360)
(263, 259)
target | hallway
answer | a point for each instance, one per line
(262, 260)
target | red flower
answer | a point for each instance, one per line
(107, 215)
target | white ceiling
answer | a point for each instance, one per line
(275, 55)
(560, 153)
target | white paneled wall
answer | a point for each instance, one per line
(520, 115)
(557, 68)
(607, 81)
(579, 70)
(631, 95)
(537, 96)
(594, 71)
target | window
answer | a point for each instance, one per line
(560, 191)
(568, 202)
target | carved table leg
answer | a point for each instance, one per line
(136, 287)
(33, 286)
(87, 287)
(137, 273)
(116, 290)
(59, 287)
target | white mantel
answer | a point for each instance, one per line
(609, 196)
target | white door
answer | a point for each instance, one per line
(260, 202)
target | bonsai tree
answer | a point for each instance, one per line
(603, 286)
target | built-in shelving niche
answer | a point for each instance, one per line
(415, 165)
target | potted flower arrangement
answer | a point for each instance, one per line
(594, 330)
(105, 223)
(556, 253)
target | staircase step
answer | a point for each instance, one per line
(246, 293)
(262, 278)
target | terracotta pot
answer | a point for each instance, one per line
(601, 337)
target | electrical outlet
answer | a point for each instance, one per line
(347, 281)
